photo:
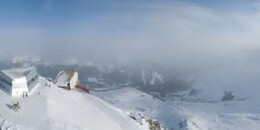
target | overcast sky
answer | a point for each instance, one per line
(216, 40)
(176, 32)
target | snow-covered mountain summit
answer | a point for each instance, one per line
(59, 109)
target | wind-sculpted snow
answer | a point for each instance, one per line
(6, 125)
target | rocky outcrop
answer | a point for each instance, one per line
(142, 120)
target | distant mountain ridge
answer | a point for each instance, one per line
(149, 78)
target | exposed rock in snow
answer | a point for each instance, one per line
(142, 120)
(139, 105)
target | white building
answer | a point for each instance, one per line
(67, 79)
(19, 82)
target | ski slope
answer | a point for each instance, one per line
(58, 109)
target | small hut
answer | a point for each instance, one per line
(67, 79)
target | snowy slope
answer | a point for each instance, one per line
(130, 99)
(188, 115)
(233, 115)
(135, 101)
(59, 109)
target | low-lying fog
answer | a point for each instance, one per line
(217, 45)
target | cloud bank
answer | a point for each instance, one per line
(212, 41)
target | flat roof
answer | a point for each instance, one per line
(17, 72)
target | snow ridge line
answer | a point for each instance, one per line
(6, 125)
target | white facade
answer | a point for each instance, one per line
(18, 82)
(74, 80)
(19, 87)
(67, 79)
